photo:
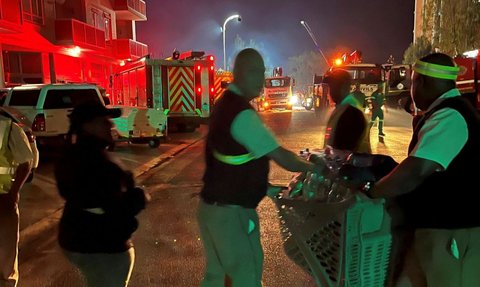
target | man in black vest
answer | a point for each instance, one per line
(434, 187)
(347, 127)
(238, 150)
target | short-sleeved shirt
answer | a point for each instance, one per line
(443, 135)
(249, 130)
(19, 145)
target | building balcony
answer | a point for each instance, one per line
(128, 49)
(10, 16)
(134, 10)
(74, 32)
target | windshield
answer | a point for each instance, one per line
(277, 82)
(366, 75)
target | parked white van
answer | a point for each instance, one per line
(47, 107)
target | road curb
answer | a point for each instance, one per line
(31, 232)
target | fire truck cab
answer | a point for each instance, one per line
(278, 91)
(368, 77)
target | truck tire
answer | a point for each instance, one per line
(154, 143)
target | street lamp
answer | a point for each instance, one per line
(223, 31)
(309, 31)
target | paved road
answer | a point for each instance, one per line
(167, 243)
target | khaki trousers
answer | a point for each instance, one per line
(231, 241)
(9, 234)
(443, 258)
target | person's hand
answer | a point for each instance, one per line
(274, 190)
(355, 177)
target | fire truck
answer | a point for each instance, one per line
(399, 82)
(368, 76)
(278, 91)
(221, 82)
(467, 81)
(179, 90)
(317, 96)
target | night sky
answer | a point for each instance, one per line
(378, 28)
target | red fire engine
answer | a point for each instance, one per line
(467, 81)
(180, 87)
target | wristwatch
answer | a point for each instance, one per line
(367, 188)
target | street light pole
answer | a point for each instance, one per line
(309, 31)
(223, 31)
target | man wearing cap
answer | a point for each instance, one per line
(15, 163)
(435, 187)
(101, 200)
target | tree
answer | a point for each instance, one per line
(417, 50)
(239, 44)
(452, 25)
(302, 68)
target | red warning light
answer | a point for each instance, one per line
(199, 67)
(338, 62)
(212, 90)
(199, 90)
(211, 68)
(211, 58)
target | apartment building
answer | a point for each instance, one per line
(56, 41)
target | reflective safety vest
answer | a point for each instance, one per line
(7, 167)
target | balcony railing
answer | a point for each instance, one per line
(130, 9)
(128, 49)
(74, 32)
(10, 16)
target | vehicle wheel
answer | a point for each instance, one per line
(154, 143)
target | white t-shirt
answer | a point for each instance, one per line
(443, 135)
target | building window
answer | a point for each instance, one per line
(103, 21)
(33, 11)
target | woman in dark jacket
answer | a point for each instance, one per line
(101, 201)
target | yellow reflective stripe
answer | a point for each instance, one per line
(233, 159)
(95, 210)
(436, 71)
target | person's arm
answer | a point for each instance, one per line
(430, 155)
(249, 130)
(21, 175)
(407, 176)
(292, 162)
(22, 154)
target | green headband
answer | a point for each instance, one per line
(436, 71)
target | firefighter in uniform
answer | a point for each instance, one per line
(15, 163)
(376, 102)
(347, 127)
(435, 186)
(238, 151)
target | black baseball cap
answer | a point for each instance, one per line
(85, 112)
